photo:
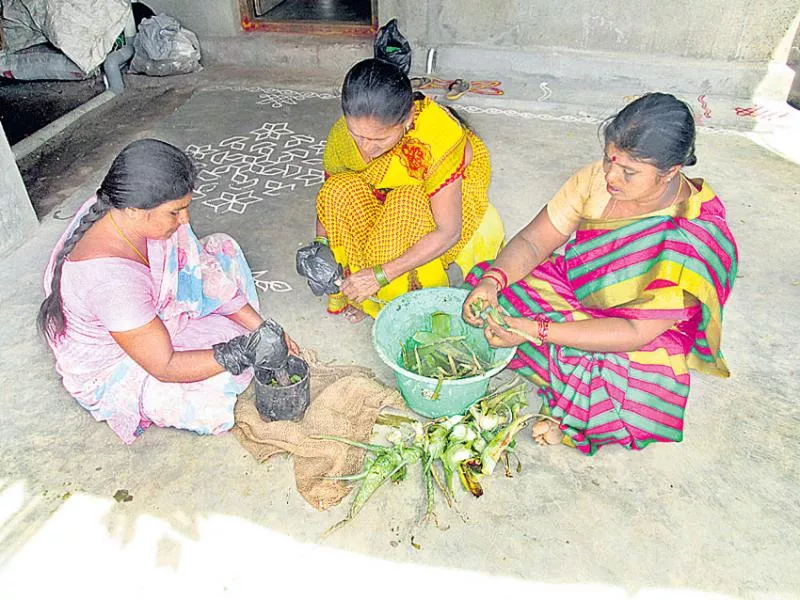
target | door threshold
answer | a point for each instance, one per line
(310, 27)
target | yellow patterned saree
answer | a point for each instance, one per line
(374, 212)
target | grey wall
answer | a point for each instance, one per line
(740, 30)
(204, 17)
(217, 24)
(714, 47)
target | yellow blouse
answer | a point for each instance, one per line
(584, 197)
(430, 154)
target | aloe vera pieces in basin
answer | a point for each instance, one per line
(439, 354)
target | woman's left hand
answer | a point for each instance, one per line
(498, 337)
(360, 286)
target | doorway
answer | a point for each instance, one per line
(354, 17)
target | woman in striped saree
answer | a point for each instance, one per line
(612, 326)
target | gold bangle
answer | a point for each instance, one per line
(380, 276)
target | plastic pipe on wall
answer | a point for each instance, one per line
(113, 64)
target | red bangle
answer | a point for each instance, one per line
(544, 327)
(494, 278)
(501, 273)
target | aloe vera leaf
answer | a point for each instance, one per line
(456, 350)
(501, 401)
(452, 364)
(498, 445)
(404, 355)
(475, 360)
(427, 477)
(376, 448)
(469, 473)
(400, 474)
(381, 471)
(476, 307)
(424, 338)
(435, 340)
(356, 477)
(431, 366)
(496, 316)
(440, 324)
(393, 420)
(438, 390)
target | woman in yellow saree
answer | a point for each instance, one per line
(405, 201)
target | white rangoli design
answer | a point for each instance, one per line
(245, 169)
(267, 285)
(275, 97)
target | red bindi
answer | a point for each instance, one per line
(614, 158)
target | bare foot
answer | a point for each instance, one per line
(353, 315)
(547, 433)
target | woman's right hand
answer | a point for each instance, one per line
(294, 348)
(484, 295)
(266, 347)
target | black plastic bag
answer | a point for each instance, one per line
(316, 263)
(392, 46)
(271, 349)
(264, 348)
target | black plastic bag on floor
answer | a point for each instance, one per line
(392, 46)
(163, 47)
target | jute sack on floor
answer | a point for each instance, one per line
(345, 401)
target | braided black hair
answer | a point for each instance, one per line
(146, 174)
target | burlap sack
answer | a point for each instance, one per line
(345, 401)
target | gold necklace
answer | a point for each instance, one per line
(127, 241)
(610, 208)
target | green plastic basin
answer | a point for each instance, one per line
(409, 313)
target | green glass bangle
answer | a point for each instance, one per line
(380, 276)
(322, 240)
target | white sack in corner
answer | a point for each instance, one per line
(84, 30)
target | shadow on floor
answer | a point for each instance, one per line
(27, 106)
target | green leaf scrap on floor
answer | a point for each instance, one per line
(122, 496)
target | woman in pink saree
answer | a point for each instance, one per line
(148, 324)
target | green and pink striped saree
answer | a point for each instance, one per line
(677, 267)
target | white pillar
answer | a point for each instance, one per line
(17, 218)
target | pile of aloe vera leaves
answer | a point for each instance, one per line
(462, 449)
(439, 354)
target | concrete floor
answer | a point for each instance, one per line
(714, 516)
